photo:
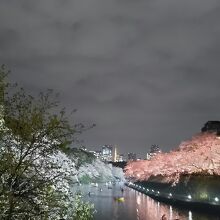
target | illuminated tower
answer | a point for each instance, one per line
(115, 155)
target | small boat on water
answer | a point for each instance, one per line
(94, 184)
(119, 199)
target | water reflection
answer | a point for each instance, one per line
(137, 206)
(190, 215)
(149, 209)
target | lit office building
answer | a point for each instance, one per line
(107, 153)
(120, 158)
(98, 154)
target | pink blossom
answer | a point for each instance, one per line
(200, 155)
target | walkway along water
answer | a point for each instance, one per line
(200, 192)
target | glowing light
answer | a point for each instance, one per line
(171, 212)
(189, 197)
(190, 215)
(170, 194)
(138, 200)
(203, 195)
(216, 199)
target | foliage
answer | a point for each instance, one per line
(35, 174)
(85, 179)
(99, 172)
(201, 155)
(83, 210)
(80, 156)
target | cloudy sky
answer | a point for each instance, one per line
(145, 71)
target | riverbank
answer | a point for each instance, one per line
(206, 202)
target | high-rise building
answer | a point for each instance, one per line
(154, 150)
(107, 153)
(132, 156)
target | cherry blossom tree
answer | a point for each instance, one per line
(35, 172)
(200, 155)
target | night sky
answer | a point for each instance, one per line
(145, 71)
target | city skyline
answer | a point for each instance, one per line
(145, 72)
(112, 153)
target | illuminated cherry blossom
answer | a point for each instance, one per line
(200, 155)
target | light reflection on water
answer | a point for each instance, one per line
(150, 209)
(137, 206)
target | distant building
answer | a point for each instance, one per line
(107, 152)
(120, 158)
(83, 148)
(92, 152)
(154, 150)
(132, 156)
(148, 156)
(98, 154)
(115, 155)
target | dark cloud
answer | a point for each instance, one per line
(145, 72)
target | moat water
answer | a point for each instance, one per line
(136, 206)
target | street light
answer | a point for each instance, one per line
(189, 197)
(216, 199)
